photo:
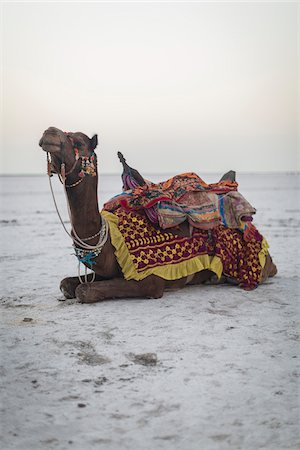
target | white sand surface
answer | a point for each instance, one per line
(226, 375)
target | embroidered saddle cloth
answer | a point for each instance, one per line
(142, 249)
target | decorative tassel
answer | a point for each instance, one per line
(49, 169)
(49, 166)
(88, 167)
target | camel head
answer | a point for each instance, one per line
(73, 150)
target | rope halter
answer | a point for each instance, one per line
(84, 251)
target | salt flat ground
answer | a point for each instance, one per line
(226, 374)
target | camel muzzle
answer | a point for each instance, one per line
(52, 140)
(50, 147)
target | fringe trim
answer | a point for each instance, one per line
(263, 253)
(167, 272)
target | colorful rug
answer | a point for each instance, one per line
(142, 250)
(143, 197)
(234, 208)
(185, 197)
(199, 210)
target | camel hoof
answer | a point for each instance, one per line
(86, 294)
(68, 288)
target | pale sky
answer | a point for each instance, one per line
(176, 87)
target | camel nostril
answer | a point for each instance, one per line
(41, 142)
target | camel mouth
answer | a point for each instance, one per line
(52, 140)
(52, 144)
(50, 147)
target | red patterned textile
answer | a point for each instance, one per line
(149, 247)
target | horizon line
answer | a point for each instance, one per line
(39, 174)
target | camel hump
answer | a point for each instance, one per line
(229, 176)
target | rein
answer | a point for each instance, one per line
(84, 252)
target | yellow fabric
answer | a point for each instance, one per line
(263, 253)
(168, 272)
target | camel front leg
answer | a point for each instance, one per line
(150, 287)
(68, 285)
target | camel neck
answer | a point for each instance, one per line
(83, 202)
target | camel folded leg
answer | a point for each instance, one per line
(269, 271)
(150, 287)
(68, 285)
(204, 276)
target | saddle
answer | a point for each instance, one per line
(184, 202)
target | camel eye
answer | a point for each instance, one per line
(78, 144)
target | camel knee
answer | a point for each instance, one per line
(68, 286)
(86, 294)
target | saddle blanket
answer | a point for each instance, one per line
(142, 250)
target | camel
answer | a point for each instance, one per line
(72, 156)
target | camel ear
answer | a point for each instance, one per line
(94, 142)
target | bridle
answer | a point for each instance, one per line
(86, 162)
(84, 252)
